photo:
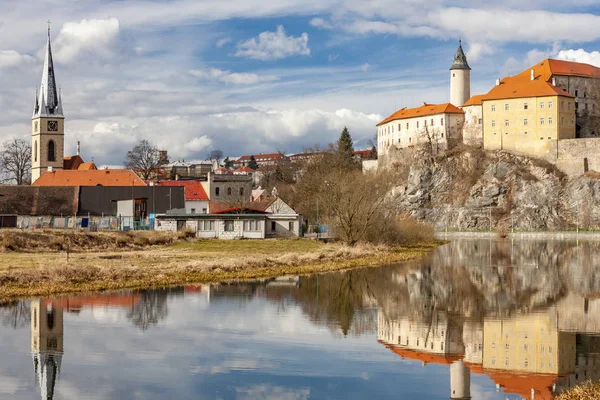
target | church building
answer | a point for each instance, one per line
(48, 127)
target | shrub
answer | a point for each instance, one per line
(399, 230)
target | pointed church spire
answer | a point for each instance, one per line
(48, 86)
(460, 59)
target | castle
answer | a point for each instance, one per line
(550, 111)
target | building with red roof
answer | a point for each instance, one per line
(261, 159)
(196, 199)
(92, 177)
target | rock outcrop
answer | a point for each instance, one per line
(470, 189)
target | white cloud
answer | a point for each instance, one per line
(320, 23)
(95, 37)
(477, 50)
(11, 59)
(222, 42)
(199, 144)
(580, 55)
(274, 46)
(234, 78)
(365, 67)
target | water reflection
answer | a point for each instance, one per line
(503, 319)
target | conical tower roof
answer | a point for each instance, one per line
(48, 103)
(460, 59)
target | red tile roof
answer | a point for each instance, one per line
(223, 170)
(104, 177)
(272, 156)
(521, 384)
(474, 100)
(246, 170)
(87, 166)
(545, 69)
(512, 88)
(193, 189)
(434, 358)
(424, 110)
(72, 162)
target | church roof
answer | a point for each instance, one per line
(103, 177)
(460, 59)
(87, 166)
(48, 102)
(72, 162)
(423, 111)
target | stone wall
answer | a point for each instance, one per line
(577, 156)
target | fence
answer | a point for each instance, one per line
(90, 223)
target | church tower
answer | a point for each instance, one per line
(46, 345)
(460, 78)
(47, 123)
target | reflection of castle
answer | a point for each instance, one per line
(524, 354)
(46, 344)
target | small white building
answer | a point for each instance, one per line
(437, 124)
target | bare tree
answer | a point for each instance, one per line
(144, 159)
(215, 156)
(15, 162)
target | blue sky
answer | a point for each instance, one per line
(249, 76)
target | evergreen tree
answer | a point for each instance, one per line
(373, 155)
(228, 163)
(345, 142)
(253, 164)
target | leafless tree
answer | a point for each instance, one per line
(215, 156)
(144, 159)
(15, 161)
(15, 314)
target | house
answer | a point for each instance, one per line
(253, 220)
(261, 159)
(196, 199)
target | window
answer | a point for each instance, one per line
(251, 226)
(550, 349)
(229, 226)
(549, 104)
(493, 107)
(541, 104)
(206, 225)
(506, 107)
(525, 106)
(399, 127)
(432, 120)
(562, 104)
(506, 122)
(51, 151)
(525, 121)
(541, 121)
(569, 106)
(549, 120)
(273, 226)
(35, 151)
(442, 121)
(425, 123)
(493, 345)
(526, 347)
(407, 125)
(493, 123)
(291, 226)
(204, 211)
(241, 191)
(193, 211)
(562, 120)
(576, 93)
(507, 346)
(480, 121)
(217, 191)
(417, 124)
(228, 191)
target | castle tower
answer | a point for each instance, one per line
(460, 381)
(47, 123)
(460, 78)
(46, 345)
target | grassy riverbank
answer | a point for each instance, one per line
(111, 261)
(588, 391)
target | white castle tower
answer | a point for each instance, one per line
(47, 122)
(460, 78)
(460, 381)
(46, 345)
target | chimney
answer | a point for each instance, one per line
(533, 74)
(553, 81)
(78, 148)
(497, 82)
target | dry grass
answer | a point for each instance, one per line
(181, 262)
(587, 391)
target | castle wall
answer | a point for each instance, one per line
(586, 92)
(472, 132)
(577, 156)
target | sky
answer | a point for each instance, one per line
(251, 76)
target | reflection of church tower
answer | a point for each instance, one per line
(460, 381)
(460, 78)
(47, 123)
(46, 344)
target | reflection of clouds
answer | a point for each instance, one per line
(268, 392)
(233, 365)
(479, 393)
(10, 385)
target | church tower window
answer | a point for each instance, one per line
(51, 151)
(35, 151)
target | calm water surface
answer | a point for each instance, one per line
(478, 319)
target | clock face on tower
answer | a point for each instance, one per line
(52, 126)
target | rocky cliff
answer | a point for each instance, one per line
(471, 189)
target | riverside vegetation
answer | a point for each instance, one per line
(43, 263)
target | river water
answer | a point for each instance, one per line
(479, 319)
